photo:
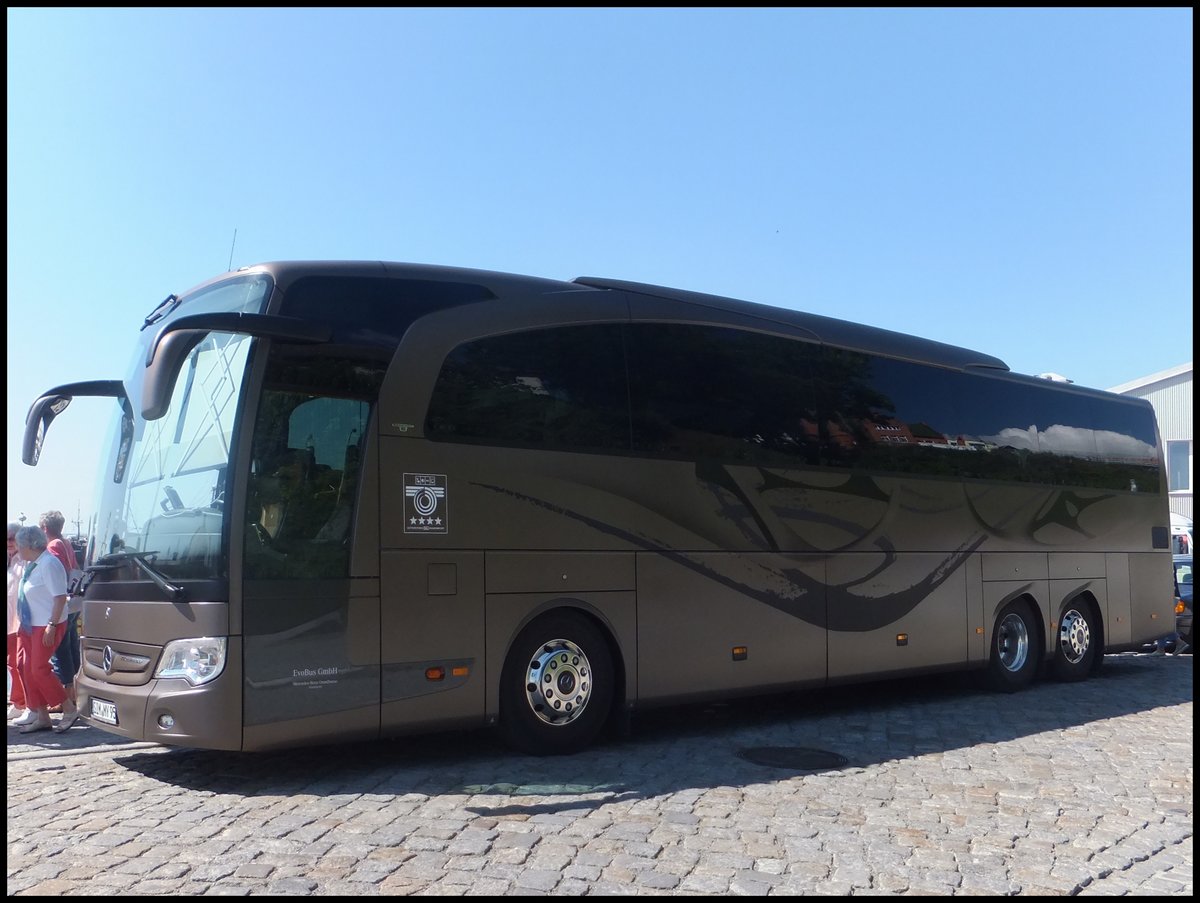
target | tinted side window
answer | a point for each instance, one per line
(1127, 445)
(1042, 434)
(711, 393)
(561, 388)
(888, 415)
(373, 311)
(307, 448)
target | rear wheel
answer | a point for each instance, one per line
(1075, 652)
(556, 688)
(1016, 648)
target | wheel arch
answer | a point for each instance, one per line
(608, 632)
(607, 625)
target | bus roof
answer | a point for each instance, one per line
(827, 330)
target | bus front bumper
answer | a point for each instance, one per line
(169, 711)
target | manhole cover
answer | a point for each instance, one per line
(798, 758)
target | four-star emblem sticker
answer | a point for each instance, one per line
(425, 503)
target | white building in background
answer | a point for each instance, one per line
(1170, 394)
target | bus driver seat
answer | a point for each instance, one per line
(281, 486)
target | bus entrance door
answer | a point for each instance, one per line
(311, 661)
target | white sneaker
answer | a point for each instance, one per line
(29, 717)
(15, 712)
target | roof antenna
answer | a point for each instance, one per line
(231, 248)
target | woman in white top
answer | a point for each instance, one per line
(16, 565)
(41, 607)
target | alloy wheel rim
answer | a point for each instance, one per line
(558, 682)
(1012, 643)
(1074, 636)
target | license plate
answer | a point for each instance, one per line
(103, 710)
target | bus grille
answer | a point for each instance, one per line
(122, 664)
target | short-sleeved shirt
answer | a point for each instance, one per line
(47, 580)
(62, 550)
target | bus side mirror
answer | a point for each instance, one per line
(176, 340)
(40, 416)
(167, 355)
(50, 404)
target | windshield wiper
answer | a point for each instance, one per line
(167, 305)
(116, 559)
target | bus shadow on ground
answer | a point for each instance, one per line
(691, 747)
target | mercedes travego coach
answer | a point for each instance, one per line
(353, 500)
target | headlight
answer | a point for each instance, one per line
(197, 661)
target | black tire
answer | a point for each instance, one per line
(1076, 642)
(1016, 648)
(556, 688)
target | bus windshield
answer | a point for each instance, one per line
(164, 491)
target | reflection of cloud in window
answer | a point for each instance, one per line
(1015, 437)
(1060, 439)
(533, 384)
(1119, 445)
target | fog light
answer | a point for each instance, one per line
(166, 722)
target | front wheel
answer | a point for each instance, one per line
(556, 687)
(1016, 648)
(1075, 653)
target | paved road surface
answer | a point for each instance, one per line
(946, 789)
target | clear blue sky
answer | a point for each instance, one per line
(1016, 181)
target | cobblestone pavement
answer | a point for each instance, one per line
(1061, 789)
